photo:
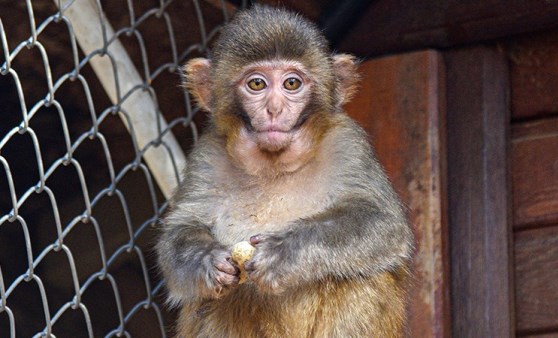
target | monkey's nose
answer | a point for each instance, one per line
(274, 104)
(273, 112)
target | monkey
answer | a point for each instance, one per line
(280, 164)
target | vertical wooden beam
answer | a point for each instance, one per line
(480, 231)
(401, 105)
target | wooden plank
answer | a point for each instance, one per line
(401, 105)
(393, 26)
(480, 237)
(534, 168)
(534, 75)
(536, 276)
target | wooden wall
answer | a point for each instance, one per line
(533, 166)
(501, 60)
(494, 181)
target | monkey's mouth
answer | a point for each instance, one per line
(274, 132)
(273, 139)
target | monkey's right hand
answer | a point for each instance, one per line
(222, 275)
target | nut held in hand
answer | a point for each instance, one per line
(242, 252)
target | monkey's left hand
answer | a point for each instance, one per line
(271, 269)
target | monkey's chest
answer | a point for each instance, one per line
(255, 211)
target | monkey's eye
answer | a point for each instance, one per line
(292, 83)
(257, 84)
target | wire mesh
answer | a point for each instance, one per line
(78, 203)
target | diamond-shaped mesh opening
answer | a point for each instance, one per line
(81, 187)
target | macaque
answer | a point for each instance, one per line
(283, 167)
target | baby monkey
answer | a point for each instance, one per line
(282, 165)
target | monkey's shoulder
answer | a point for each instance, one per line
(347, 148)
(347, 137)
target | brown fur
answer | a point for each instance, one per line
(332, 244)
(330, 309)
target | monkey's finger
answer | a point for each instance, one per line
(227, 280)
(227, 267)
(249, 266)
(256, 239)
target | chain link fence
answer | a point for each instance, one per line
(91, 116)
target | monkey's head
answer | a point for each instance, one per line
(272, 86)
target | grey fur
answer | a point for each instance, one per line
(330, 232)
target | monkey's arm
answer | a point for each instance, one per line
(362, 232)
(194, 264)
(354, 238)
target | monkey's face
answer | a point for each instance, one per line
(274, 96)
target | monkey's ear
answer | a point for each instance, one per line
(198, 81)
(345, 68)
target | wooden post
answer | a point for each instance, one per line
(480, 231)
(401, 104)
